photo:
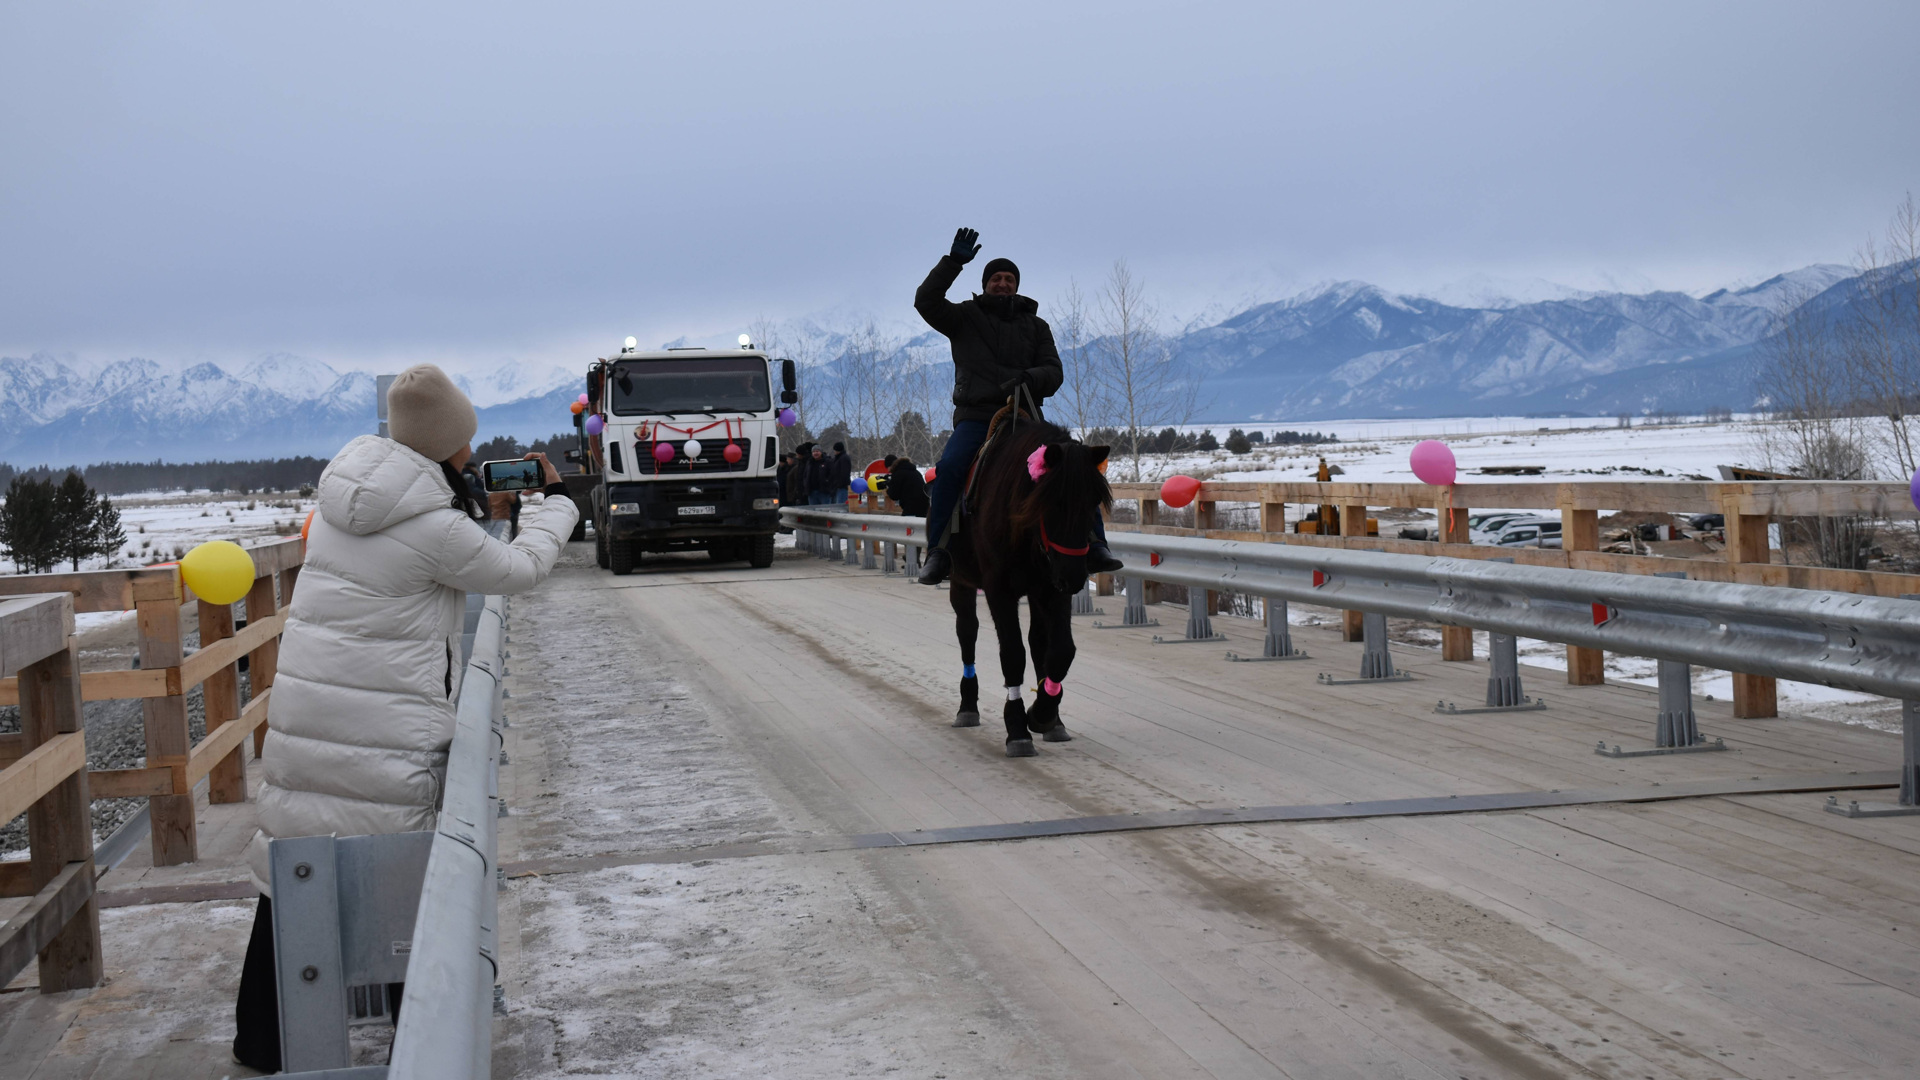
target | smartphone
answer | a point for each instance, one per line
(512, 475)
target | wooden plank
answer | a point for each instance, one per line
(220, 693)
(226, 651)
(131, 783)
(1753, 695)
(225, 740)
(273, 556)
(46, 919)
(1580, 531)
(42, 769)
(112, 685)
(1353, 524)
(263, 663)
(16, 878)
(1456, 642)
(171, 817)
(32, 628)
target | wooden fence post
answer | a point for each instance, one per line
(60, 824)
(1205, 517)
(168, 741)
(1754, 696)
(1273, 517)
(220, 695)
(263, 663)
(1353, 522)
(1580, 531)
(1456, 642)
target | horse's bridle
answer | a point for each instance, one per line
(1051, 546)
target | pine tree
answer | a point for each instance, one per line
(28, 526)
(85, 522)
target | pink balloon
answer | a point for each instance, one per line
(1433, 462)
(583, 400)
(595, 425)
(1178, 491)
(662, 452)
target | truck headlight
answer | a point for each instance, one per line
(626, 508)
(766, 504)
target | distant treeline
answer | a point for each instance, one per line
(126, 477)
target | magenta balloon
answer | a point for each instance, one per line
(662, 452)
(787, 418)
(595, 425)
(1433, 462)
(583, 400)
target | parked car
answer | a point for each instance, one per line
(1530, 532)
(1705, 522)
(1484, 528)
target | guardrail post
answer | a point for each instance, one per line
(1456, 642)
(1279, 643)
(1754, 696)
(886, 557)
(852, 547)
(1083, 600)
(1503, 671)
(60, 823)
(1376, 662)
(1353, 522)
(220, 695)
(1135, 613)
(1205, 517)
(1580, 531)
(1149, 591)
(171, 817)
(1676, 725)
(308, 970)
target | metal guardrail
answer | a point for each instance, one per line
(418, 907)
(1864, 643)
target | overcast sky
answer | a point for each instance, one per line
(369, 183)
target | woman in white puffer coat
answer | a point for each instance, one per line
(363, 703)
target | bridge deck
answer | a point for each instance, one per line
(702, 758)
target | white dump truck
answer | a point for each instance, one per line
(688, 454)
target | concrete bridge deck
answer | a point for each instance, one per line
(701, 759)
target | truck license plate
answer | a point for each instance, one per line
(689, 511)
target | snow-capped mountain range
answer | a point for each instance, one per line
(1339, 350)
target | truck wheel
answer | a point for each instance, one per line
(621, 557)
(760, 552)
(600, 546)
(579, 531)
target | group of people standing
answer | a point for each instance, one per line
(809, 477)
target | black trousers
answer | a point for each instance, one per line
(256, 1034)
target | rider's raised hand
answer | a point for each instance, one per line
(965, 245)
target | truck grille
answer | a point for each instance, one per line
(710, 460)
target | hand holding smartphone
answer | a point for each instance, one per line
(513, 476)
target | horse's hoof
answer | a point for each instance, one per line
(1021, 748)
(1058, 734)
(966, 719)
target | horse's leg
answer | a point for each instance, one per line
(966, 626)
(1052, 615)
(1005, 609)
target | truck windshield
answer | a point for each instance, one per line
(718, 385)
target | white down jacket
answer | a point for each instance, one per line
(363, 704)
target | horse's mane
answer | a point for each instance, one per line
(1008, 503)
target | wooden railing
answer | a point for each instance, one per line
(174, 764)
(1750, 507)
(60, 923)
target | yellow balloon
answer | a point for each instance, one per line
(218, 571)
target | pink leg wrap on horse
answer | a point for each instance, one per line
(1052, 688)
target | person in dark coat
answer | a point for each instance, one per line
(800, 480)
(907, 489)
(997, 338)
(780, 477)
(819, 491)
(839, 475)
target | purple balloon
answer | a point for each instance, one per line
(787, 418)
(1914, 490)
(595, 425)
(662, 452)
(1433, 462)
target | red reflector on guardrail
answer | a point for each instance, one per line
(1319, 578)
(1601, 613)
(1153, 558)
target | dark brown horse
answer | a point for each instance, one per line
(1034, 497)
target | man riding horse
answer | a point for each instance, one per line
(999, 341)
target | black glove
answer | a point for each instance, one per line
(965, 245)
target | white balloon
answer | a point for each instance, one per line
(692, 448)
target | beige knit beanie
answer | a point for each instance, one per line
(428, 414)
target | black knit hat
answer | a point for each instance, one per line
(994, 266)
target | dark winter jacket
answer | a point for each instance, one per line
(839, 470)
(994, 340)
(905, 487)
(780, 481)
(800, 480)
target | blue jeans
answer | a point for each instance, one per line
(950, 479)
(819, 498)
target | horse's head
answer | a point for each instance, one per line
(1068, 493)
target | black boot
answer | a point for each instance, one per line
(939, 565)
(1100, 558)
(969, 714)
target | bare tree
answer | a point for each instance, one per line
(1083, 402)
(1139, 379)
(1880, 340)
